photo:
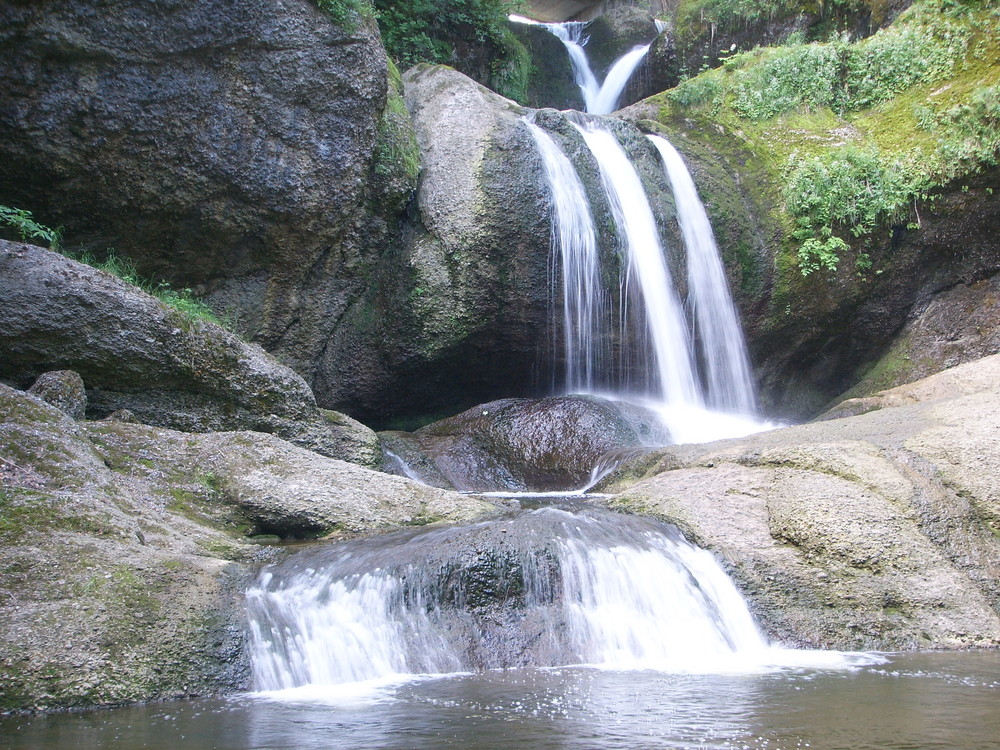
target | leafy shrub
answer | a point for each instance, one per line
(852, 188)
(27, 228)
(426, 30)
(968, 134)
(703, 90)
(346, 12)
(850, 77)
(792, 76)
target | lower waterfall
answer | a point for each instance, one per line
(540, 588)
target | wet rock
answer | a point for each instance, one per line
(614, 33)
(64, 390)
(552, 83)
(893, 508)
(135, 353)
(545, 444)
(453, 316)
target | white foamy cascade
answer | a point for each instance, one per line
(615, 81)
(728, 383)
(574, 242)
(597, 588)
(598, 98)
(647, 277)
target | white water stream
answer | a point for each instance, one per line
(651, 304)
(599, 98)
(592, 588)
(584, 299)
(728, 384)
(570, 586)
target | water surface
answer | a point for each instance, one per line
(914, 701)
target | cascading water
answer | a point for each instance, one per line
(585, 307)
(647, 279)
(728, 386)
(614, 83)
(598, 98)
(552, 586)
(697, 376)
(585, 587)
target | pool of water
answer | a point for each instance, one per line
(911, 702)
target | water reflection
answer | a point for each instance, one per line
(922, 701)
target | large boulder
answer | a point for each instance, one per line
(227, 146)
(124, 549)
(555, 443)
(463, 311)
(133, 352)
(874, 531)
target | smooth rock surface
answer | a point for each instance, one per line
(552, 443)
(875, 531)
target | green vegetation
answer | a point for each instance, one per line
(27, 228)
(124, 268)
(346, 13)
(428, 30)
(849, 137)
(396, 150)
(730, 14)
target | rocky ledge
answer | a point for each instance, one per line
(875, 531)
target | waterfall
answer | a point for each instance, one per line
(696, 374)
(647, 283)
(586, 587)
(615, 81)
(599, 99)
(729, 386)
(584, 305)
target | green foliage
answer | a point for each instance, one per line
(396, 152)
(704, 90)
(728, 13)
(923, 48)
(27, 227)
(346, 13)
(856, 133)
(787, 79)
(968, 134)
(179, 299)
(511, 70)
(850, 187)
(427, 30)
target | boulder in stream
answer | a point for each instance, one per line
(553, 443)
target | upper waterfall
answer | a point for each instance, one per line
(599, 98)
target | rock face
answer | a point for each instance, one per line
(123, 549)
(135, 353)
(223, 145)
(875, 531)
(552, 83)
